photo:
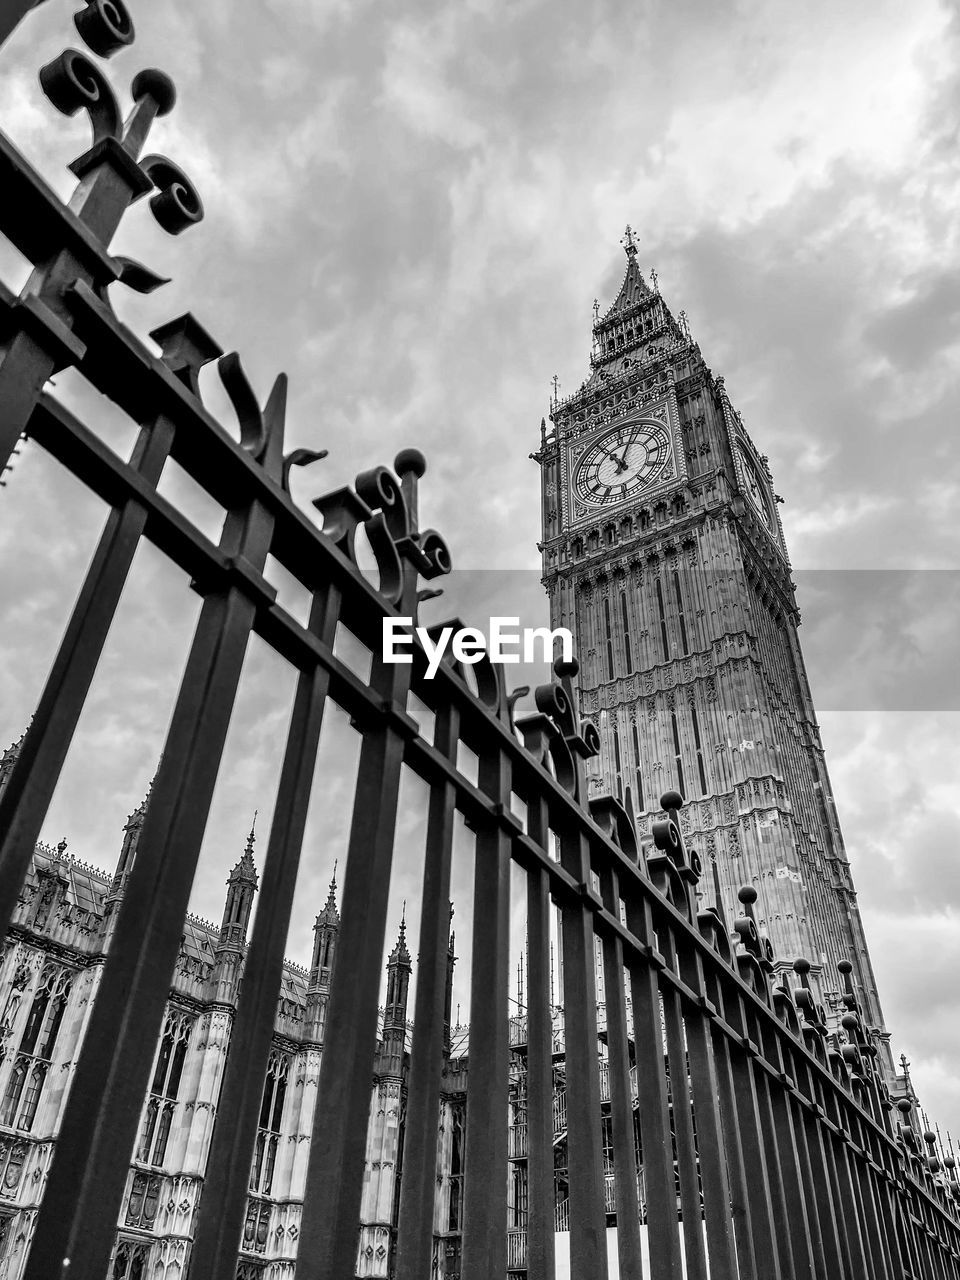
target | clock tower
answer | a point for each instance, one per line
(664, 554)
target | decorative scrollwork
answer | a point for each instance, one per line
(556, 735)
(105, 26)
(299, 458)
(72, 83)
(386, 507)
(177, 204)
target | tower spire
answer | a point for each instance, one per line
(326, 929)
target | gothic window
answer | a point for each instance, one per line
(456, 1171)
(130, 1260)
(664, 639)
(676, 749)
(256, 1226)
(636, 756)
(12, 1153)
(158, 1113)
(271, 1117)
(617, 762)
(626, 632)
(11, 1098)
(31, 1095)
(644, 519)
(144, 1200)
(25, 1084)
(609, 637)
(46, 1013)
(251, 1270)
(680, 614)
(6, 1223)
(699, 747)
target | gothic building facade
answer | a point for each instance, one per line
(664, 554)
(52, 963)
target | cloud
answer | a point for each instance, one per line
(411, 213)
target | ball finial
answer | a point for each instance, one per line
(671, 800)
(157, 85)
(845, 967)
(801, 965)
(747, 894)
(410, 462)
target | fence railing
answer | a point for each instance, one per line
(784, 1144)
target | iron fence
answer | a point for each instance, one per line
(767, 1150)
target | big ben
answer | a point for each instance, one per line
(664, 554)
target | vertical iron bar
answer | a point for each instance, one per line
(219, 1228)
(654, 1109)
(541, 1247)
(741, 1209)
(872, 1224)
(621, 1098)
(418, 1185)
(712, 1142)
(588, 1237)
(33, 778)
(749, 1122)
(693, 1248)
(813, 1172)
(92, 1155)
(796, 1207)
(485, 1175)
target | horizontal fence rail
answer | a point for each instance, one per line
(742, 1140)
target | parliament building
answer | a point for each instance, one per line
(664, 554)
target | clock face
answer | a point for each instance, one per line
(621, 462)
(755, 489)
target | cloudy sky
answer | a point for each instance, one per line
(410, 209)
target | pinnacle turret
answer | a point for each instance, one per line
(245, 871)
(400, 955)
(330, 916)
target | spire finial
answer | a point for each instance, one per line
(654, 280)
(251, 838)
(596, 311)
(403, 921)
(628, 242)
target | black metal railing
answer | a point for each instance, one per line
(784, 1149)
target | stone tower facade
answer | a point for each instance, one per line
(664, 554)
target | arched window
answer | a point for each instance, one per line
(130, 1260)
(161, 1105)
(14, 1089)
(271, 1119)
(31, 1096)
(144, 1200)
(21, 1097)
